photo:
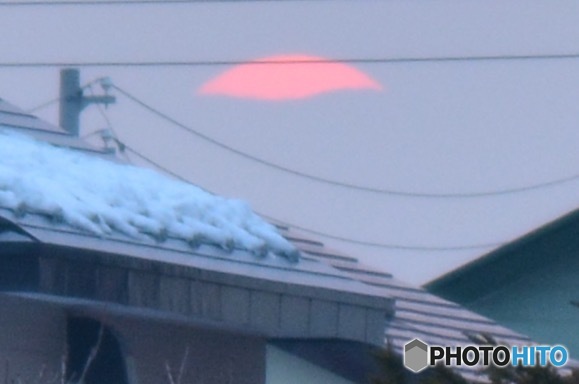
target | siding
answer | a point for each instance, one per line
(213, 357)
(539, 304)
(33, 336)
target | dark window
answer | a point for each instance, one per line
(107, 365)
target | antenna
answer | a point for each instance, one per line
(73, 101)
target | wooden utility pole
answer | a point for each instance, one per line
(73, 101)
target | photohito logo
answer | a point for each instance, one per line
(419, 355)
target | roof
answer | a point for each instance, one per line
(325, 295)
(14, 117)
(552, 243)
(103, 197)
(529, 285)
(418, 313)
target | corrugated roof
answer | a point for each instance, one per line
(416, 309)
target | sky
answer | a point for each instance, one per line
(433, 127)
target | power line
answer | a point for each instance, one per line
(101, 110)
(396, 246)
(103, 113)
(324, 234)
(154, 163)
(43, 105)
(52, 3)
(159, 166)
(505, 191)
(337, 183)
(58, 98)
(115, 137)
(361, 60)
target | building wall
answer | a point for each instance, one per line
(33, 336)
(539, 304)
(32, 339)
(211, 357)
(285, 368)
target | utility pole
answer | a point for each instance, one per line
(73, 101)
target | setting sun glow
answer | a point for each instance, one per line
(288, 77)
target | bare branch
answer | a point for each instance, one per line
(93, 353)
(7, 372)
(169, 374)
(63, 363)
(230, 370)
(183, 363)
(54, 379)
(40, 374)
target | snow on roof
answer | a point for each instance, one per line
(103, 197)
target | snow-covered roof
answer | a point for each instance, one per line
(103, 197)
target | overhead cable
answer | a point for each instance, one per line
(43, 105)
(402, 247)
(342, 184)
(328, 235)
(157, 165)
(225, 62)
(52, 3)
(58, 98)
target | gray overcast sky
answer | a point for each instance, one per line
(436, 127)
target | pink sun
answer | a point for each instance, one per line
(288, 77)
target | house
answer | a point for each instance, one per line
(117, 274)
(530, 285)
